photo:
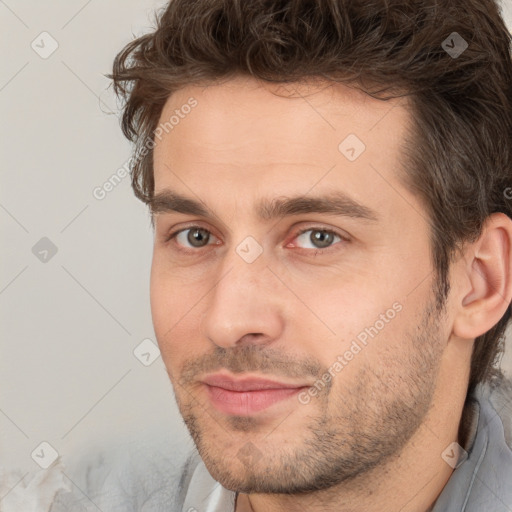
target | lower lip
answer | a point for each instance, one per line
(247, 402)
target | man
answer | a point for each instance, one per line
(330, 187)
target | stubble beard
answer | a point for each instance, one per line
(351, 429)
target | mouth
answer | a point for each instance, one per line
(248, 395)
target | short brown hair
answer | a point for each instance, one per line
(459, 154)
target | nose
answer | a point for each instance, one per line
(244, 306)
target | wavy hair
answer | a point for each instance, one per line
(458, 158)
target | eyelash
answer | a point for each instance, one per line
(174, 234)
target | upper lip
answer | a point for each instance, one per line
(246, 383)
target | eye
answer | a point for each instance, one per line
(318, 238)
(195, 236)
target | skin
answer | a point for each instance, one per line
(372, 439)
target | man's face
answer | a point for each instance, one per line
(333, 307)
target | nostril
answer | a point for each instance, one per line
(252, 338)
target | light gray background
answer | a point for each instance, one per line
(69, 325)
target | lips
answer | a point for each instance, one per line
(246, 384)
(247, 395)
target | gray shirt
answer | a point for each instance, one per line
(147, 481)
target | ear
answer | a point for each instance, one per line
(487, 279)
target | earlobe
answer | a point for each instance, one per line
(489, 273)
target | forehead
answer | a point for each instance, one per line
(256, 137)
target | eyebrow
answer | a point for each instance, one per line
(335, 203)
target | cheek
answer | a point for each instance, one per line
(340, 308)
(165, 307)
(169, 295)
(355, 322)
(159, 299)
(175, 311)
